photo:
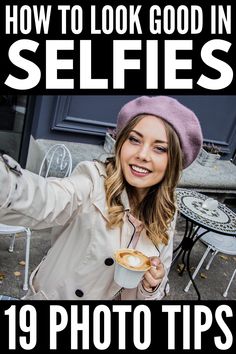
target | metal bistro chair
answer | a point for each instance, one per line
(59, 160)
(215, 243)
(6, 297)
(13, 230)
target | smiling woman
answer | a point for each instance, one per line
(150, 158)
(128, 201)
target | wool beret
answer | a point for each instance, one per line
(182, 119)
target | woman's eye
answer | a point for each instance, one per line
(160, 149)
(133, 140)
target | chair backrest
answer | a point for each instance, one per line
(57, 162)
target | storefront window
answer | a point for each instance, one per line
(12, 120)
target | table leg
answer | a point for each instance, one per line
(185, 248)
(185, 244)
(182, 245)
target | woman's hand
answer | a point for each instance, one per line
(153, 277)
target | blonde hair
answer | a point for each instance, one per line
(157, 209)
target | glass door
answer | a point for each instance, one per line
(12, 122)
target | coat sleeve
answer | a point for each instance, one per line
(29, 200)
(166, 254)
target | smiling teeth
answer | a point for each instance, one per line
(139, 169)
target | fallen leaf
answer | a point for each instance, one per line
(225, 258)
(2, 276)
(180, 267)
(22, 263)
(17, 274)
(203, 276)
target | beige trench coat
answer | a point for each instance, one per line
(80, 263)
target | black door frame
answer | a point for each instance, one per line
(25, 140)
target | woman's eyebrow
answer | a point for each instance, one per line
(141, 136)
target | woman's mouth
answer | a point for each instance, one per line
(139, 171)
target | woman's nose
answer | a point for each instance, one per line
(143, 153)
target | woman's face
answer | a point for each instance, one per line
(144, 154)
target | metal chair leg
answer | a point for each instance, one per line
(227, 289)
(186, 289)
(11, 247)
(27, 251)
(211, 259)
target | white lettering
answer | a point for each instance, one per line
(201, 325)
(76, 18)
(83, 327)
(53, 64)
(32, 69)
(172, 64)
(105, 311)
(225, 329)
(181, 19)
(122, 310)
(120, 64)
(142, 309)
(121, 19)
(55, 324)
(152, 66)
(226, 72)
(86, 81)
(39, 16)
(171, 311)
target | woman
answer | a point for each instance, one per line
(126, 202)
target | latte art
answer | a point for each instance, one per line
(133, 260)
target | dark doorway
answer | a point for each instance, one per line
(13, 113)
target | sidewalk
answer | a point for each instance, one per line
(211, 283)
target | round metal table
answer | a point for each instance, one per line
(221, 220)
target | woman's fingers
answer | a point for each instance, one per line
(154, 275)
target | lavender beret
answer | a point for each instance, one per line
(181, 118)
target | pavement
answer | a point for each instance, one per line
(211, 283)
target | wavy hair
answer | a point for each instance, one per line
(158, 207)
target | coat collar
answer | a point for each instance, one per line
(100, 167)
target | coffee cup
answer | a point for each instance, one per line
(210, 204)
(130, 267)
